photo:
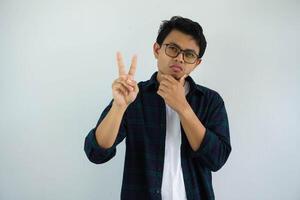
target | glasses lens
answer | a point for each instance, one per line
(190, 57)
(172, 50)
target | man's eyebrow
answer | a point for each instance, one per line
(181, 48)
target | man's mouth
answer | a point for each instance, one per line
(176, 68)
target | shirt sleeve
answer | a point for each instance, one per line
(215, 147)
(93, 150)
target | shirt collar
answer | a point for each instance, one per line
(152, 83)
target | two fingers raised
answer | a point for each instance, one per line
(121, 66)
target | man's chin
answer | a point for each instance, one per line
(174, 75)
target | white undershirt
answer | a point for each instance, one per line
(172, 184)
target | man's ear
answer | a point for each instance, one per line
(156, 48)
(197, 63)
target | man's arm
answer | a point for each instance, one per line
(107, 130)
(93, 145)
(192, 126)
(110, 130)
(210, 144)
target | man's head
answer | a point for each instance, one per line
(180, 44)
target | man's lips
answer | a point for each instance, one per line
(176, 67)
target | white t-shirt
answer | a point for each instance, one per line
(172, 184)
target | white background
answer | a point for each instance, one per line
(57, 64)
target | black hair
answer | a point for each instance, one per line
(183, 25)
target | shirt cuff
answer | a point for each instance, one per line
(206, 144)
(94, 144)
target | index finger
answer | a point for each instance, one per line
(133, 66)
(120, 63)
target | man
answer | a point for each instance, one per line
(176, 131)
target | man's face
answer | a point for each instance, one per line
(169, 65)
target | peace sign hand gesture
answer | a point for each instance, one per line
(125, 88)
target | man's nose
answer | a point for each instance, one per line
(179, 57)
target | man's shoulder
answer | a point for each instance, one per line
(209, 93)
(146, 84)
(143, 83)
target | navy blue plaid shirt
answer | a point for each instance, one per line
(144, 127)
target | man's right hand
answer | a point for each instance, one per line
(125, 88)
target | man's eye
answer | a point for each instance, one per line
(189, 55)
(173, 48)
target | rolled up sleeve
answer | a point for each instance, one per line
(215, 147)
(94, 152)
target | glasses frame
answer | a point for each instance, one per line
(179, 52)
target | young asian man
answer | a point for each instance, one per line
(176, 131)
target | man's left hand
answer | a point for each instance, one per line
(173, 92)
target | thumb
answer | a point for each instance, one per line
(181, 80)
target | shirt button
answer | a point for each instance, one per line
(157, 191)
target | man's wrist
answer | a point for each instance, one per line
(186, 108)
(118, 107)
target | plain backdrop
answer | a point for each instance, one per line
(57, 64)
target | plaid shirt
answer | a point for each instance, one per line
(144, 127)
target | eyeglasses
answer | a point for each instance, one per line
(173, 51)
